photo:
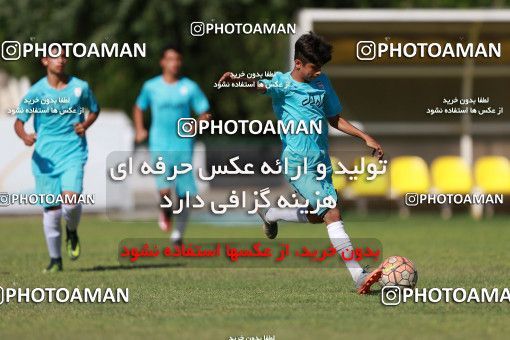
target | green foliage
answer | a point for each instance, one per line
(117, 82)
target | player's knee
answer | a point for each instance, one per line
(314, 219)
(332, 215)
(71, 207)
(70, 196)
(164, 192)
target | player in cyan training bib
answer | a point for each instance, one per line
(170, 97)
(306, 94)
(59, 103)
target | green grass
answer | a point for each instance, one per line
(292, 303)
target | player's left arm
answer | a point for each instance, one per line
(254, 84)
(80, 128)
(333, 107)
(205, 116)
(89, 101)
(343, 125)
(199, 103)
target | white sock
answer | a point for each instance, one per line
(52, 232)
(181, 220)
(286, 214)
(72, 214)
(342, 243)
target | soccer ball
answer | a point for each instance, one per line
(398, 271)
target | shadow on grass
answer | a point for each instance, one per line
(128, 267)
(374, 292)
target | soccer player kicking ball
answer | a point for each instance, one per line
(58, 102)
(306, 94)
(170, 98)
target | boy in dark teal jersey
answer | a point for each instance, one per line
(59, 103)
(306, 94)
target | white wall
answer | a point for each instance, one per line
(111, 132)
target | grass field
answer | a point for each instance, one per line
(296, 303)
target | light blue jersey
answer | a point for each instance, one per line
(305, 101)
(168, 104)
(301, 101)
(59, 153)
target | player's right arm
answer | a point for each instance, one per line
(28, 102)
(142, 104)
(27, 138)
(140, 131)
(228, 77)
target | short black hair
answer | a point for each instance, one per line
(171, 46)
(48, 44)
(312, 48)
(55, 43)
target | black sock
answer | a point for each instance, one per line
(167, 211)
(56, 260)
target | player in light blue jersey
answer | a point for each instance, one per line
(170, 98)
(59, 104)
(306, 94)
